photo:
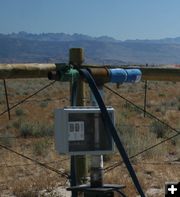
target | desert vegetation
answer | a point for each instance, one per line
(30, 131)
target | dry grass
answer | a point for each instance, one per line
(25, 179)
(31, 186)
(150, 175)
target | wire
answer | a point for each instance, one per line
(22, 101)
(10, 137)
(173, 162)
(111, 129)
(44, 100)
(120, 193)
(29, 164)
(63, 174)
(141, 109)
(111, 167)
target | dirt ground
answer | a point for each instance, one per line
(21, 177)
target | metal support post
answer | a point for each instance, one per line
(96, 173)
(7, 101)
(145, 97)
(78, 163)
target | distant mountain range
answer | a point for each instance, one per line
(25, 47)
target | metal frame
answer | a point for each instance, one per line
(61, 134)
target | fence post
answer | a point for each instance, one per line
(145, 95)
(96, 172)
(78, 163)
(7, 101)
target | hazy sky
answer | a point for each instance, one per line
(121, 19)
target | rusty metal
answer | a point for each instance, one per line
(101, 75)
(13, 71)
(53, 75)
(156, 73)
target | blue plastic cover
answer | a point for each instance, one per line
(120, 75)
(133, 75)
(117, 75)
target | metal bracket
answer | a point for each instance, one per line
(63, 72)
(107, 190)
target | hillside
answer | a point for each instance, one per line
(30, 165)
(51, 47)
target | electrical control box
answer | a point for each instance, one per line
(80, 131)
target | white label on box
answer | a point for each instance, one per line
(76, 131)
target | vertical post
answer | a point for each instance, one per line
(78, 163)
(96, 160)
(7, 101)
(73, 91)
(145, 95)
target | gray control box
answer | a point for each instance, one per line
(80, 131)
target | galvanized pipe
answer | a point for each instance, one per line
(160, 74)
(13, 71)
(96, 168)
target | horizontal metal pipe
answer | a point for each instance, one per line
(101, 75)
(10, 71)
(151, 73)
(13, 71)
(160, 74)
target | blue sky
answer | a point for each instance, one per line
(121, 19)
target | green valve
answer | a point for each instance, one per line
(66, 73)
(69, 75)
